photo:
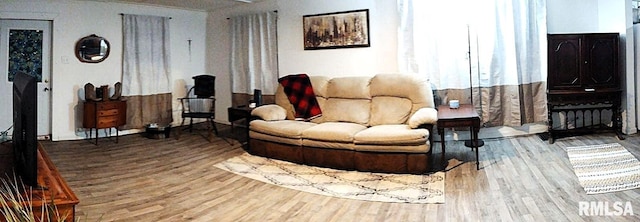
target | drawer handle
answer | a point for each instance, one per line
(589, 90)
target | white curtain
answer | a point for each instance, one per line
(498, 47)
(254, 53)
(146, 60)
(146, 71)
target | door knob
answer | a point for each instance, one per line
(46, 89)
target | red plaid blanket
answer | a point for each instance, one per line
(300, 93)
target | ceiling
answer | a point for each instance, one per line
(201, 5)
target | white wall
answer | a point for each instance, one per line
(572, 16)
(73, 20)
(584, 16)
(379, 58)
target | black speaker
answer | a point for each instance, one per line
(204, 86)
(257, 97)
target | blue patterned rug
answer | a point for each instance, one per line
(605, 168)
(403, 188)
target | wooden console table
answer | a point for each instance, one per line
(55, 189)
(464, 116)
(104, 114)
(583, 102)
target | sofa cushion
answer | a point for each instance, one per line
(400, 134)
(349, 87)
(328, 144)
(413, 87)
(423, 116)
(389, 110)
(347, 110)
(276, 139)
(422, 148)
(319, 84)
(270, 112)
(321, 101)
(284, 128)
(333, 131)
(347, 100)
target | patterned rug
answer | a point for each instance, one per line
(402, 188)
(605, 168)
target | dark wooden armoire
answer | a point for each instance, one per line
(584, 82)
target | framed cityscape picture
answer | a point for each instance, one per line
(346, 29)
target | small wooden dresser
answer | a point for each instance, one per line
(104, 114)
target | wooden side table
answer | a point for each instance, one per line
(464, 116)
(240, 113)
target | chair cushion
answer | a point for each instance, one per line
(391, 134)
(333, 131)
(200, 105)
(283, 128)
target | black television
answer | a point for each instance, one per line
(25, 124)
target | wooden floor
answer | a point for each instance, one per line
(140, 179)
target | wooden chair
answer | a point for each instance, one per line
(201, 104)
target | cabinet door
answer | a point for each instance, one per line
(565, 62)
(601, 61)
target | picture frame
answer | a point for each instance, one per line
(347, 29)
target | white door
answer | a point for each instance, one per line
(25, 45)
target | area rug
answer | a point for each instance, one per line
(382, 187)
(605, 168)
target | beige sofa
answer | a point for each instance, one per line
(380, 124)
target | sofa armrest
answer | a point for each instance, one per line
(270, 112)
(423, 116)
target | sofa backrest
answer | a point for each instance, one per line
(348, 100)
(395, 97)
(378, 100)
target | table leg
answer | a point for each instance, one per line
(441, 132)
(475, 142)
(91, 134)
(247, 122)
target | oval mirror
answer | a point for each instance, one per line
(92, 49)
